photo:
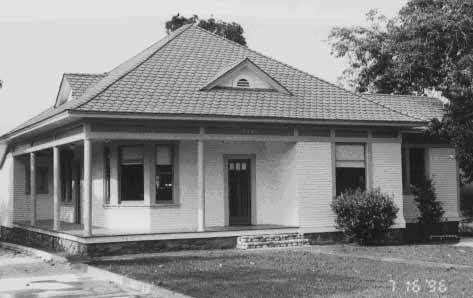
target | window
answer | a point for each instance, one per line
(413, 167)
(243, 83)
(42, 186)
(106, 170)
(164, 173)
(131, 173)
(350, 167)
(66, 176)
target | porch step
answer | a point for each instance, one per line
(444, 238)
(271, 240)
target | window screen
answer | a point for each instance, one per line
(350, 172)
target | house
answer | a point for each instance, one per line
(199, 137)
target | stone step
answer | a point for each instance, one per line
(270, 237)
(271, 240)
(444, 238)
(267, 244)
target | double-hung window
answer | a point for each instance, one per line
(413, 167)
(66, 176)
(131, 173)
(350, 167)
(42, 179)
(164, 173)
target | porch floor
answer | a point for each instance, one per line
(108, 235)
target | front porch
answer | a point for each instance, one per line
(88, 183)
(71, 242)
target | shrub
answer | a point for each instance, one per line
(430, 209)
(364, 216)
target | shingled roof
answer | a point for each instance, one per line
(422, 107)
(80, 82)
(167, 77)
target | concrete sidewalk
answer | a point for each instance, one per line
(26, 276)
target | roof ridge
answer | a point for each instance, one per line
(85, 73)
(142, 56)
(399, 95)
(306, 73)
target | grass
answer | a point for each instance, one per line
(293, 273)
(425, 252)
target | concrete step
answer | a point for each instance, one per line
(271, 240)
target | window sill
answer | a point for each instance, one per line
(67, 204)
(137, 205)
(165, 205)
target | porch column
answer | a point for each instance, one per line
(56, 190)
(87, 212)
(33, 188)
(200, 187)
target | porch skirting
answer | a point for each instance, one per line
(96, 246)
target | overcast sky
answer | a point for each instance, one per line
(40, 40)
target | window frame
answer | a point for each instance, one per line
(107, 172)
(406, 166)
(366, 163)
(66, 162)
(41, 189)
(121, 199)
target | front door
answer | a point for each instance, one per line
(239, 191)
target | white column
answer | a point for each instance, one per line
(56, 189)
(200, 187)
(87, 213)
(33, 188)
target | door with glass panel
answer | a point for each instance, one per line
(239, 191)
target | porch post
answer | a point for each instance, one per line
(56, 190)
(87, 213)
(200, 187)
(33, 188)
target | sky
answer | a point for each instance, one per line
(41, 40)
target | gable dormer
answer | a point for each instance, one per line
(65, 92)
(244, 74)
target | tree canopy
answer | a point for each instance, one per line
(427, 46)
(232, 31)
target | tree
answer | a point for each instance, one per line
(232, 31)
(428, 46)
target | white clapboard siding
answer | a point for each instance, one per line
(387, 173)
(314, 185)
(443, 170)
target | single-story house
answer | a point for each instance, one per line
(198, 135)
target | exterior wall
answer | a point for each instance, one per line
(6, 191)
(387, 173)
(444, 172)
(274, 195)
(181, 216)
(22, 203)
(274, 190)
(315, 185)
(442, 168)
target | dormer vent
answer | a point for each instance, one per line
(243, 83)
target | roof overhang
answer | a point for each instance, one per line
(48, 123)
(221, 118)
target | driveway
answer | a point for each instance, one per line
(25, 276)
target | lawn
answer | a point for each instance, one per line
(295, 273)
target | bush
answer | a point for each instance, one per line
(430, 209)
(364, 216)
